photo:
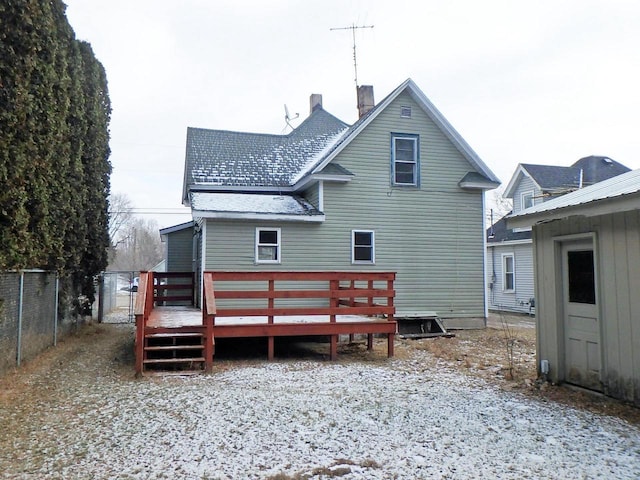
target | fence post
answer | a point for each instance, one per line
(20, 301)
(100, 297)
(55, 311)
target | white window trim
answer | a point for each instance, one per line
(373, 248)
(416, 159)
(523, 194)
(278, 245)
(504, 272)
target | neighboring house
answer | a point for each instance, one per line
(509, 253)
(587, 251)
(400, 190)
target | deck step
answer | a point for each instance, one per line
(173, 360)
(173, 347)
(169, 335)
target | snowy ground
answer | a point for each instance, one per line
(406, 418)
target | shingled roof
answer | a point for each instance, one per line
(558, 180)
(220, 158)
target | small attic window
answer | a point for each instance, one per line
(405, 112)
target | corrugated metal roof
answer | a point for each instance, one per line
(618, 186)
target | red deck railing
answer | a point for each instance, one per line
(283, 294)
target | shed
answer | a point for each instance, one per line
(587, 277)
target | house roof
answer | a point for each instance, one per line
(555, 179)
(219, 159)
(176, 228)
(617, 194)
(498, 233)
(253, 205)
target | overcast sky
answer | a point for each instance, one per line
(542, 82)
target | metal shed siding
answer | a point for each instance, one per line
(618, 267)
(432, 235)
(180, 251)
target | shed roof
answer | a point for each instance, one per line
(619, 193)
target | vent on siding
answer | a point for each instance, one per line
(405, 112)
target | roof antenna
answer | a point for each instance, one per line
(288, 118)
(353, 29)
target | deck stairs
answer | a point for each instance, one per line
(174, 352)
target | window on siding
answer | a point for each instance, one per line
(363, 246)
(267, 245)
(527, 200)
(508, 272)
(404, 159)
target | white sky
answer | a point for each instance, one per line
(523, 82)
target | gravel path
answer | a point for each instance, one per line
(80, 414)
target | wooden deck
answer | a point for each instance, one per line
(187, 334)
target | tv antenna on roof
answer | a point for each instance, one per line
(353, 29)
(288, 117)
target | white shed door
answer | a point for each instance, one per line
(581, 319)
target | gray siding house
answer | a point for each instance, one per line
(509, 251)
(400, 190)
(587, 267)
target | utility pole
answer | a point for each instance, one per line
(353, 29)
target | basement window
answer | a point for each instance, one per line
(267, 245)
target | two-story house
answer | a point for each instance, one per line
(400, 190)
(509, 250)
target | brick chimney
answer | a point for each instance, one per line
(365, 99)
(315, 102)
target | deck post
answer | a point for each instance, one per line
(270, 348)
(369, 341)
(139, 344)
(333, 353)
(390, 338)
(208, 344)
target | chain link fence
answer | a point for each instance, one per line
(116, 296)
(28, 315)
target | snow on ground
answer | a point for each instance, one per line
(402, 418)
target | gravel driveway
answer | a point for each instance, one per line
(78, 413)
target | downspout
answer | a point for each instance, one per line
(203, 249)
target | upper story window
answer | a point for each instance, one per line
(363, 248)
(404, 159)
(527, 200)
(267, 245)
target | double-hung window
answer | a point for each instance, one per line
(405, 159)
(508, 273)
(268, 245)
(363, 248)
